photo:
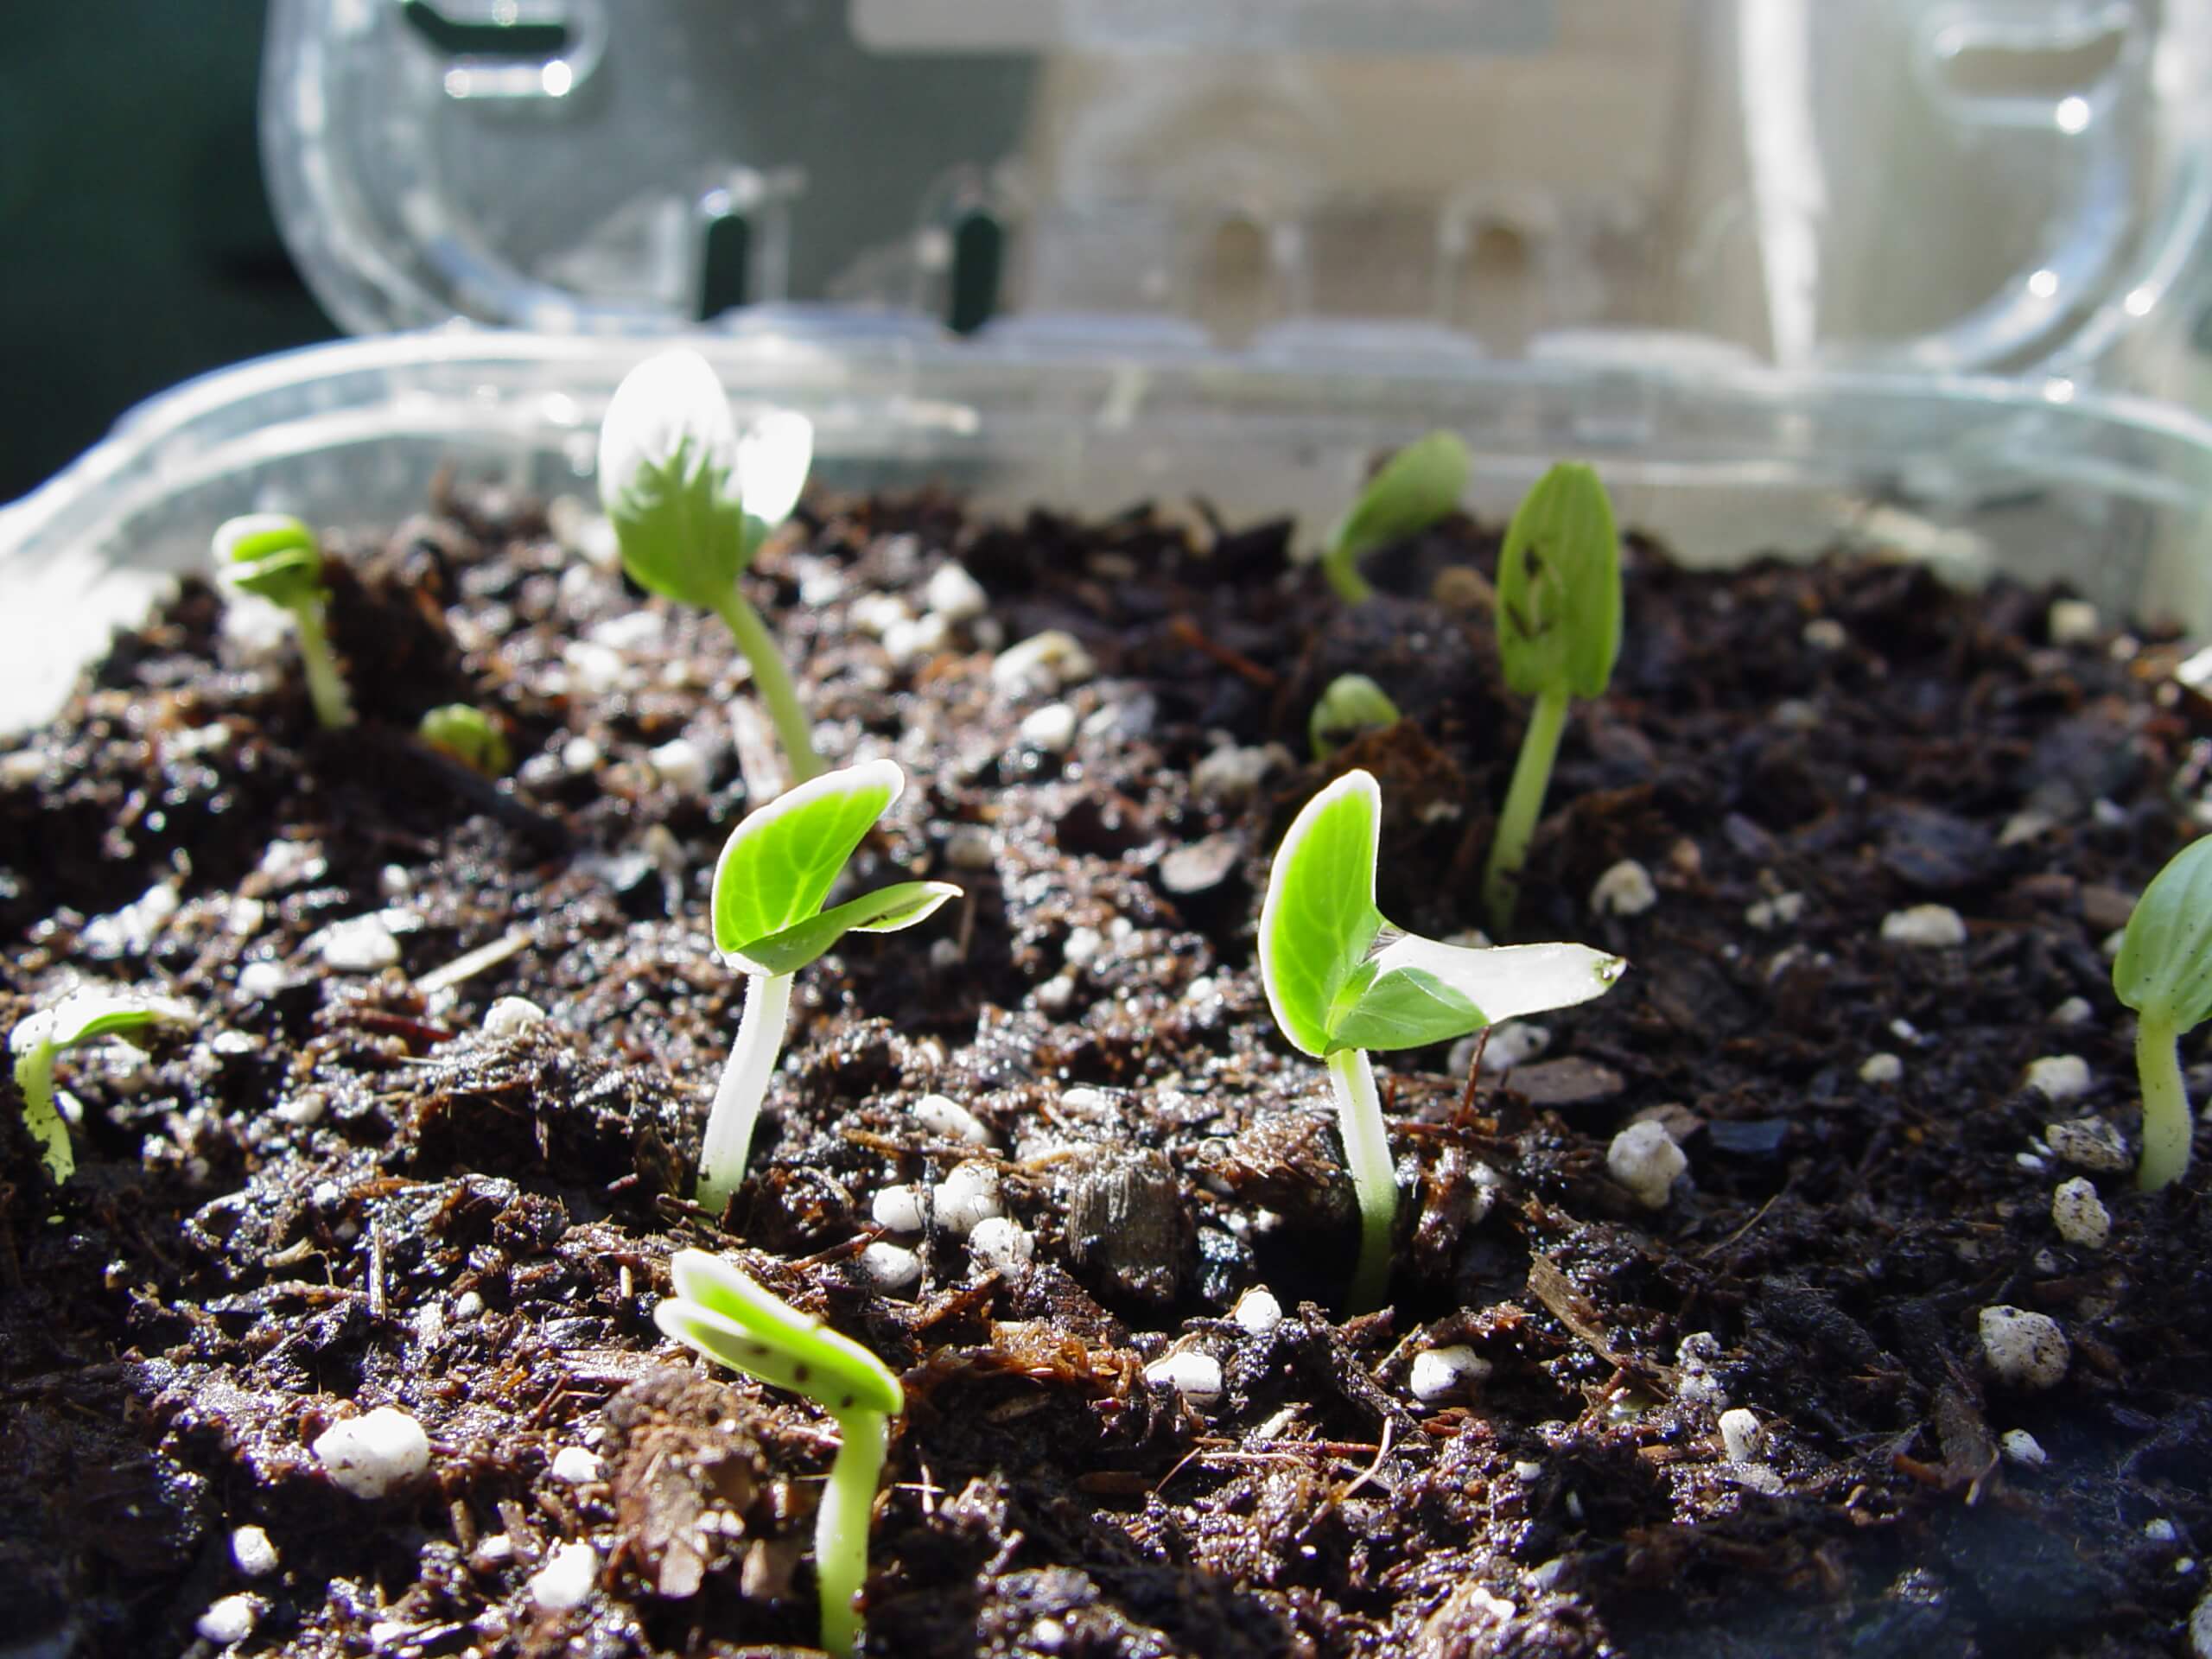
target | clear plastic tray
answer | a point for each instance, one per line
(1925, 186)
(1978, 475)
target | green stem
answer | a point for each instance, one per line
(774, 682)
(744, 1086)
(1341, 566)
(326, 687)
(841, 1525)
(35, 1077)
(1374, 1176)
(2166, 1121)
(1524, 804)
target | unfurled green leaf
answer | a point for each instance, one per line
(1407, 1008)
(2164, 965)
(1331, 987)
(887, 910)
(1559, 587)
(778, 865)
(1415, 488)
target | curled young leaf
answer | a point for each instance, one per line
(1417, 487)
(2164, 965)
(271, 555)
(1348, 705)
(1559, 587)
(726, 1315)
(667, 479)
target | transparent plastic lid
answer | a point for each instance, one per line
(1921, 185)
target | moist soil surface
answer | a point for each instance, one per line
(340, 1187)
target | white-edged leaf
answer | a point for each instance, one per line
(778, 865)
(772, 459)
(1319, 917)
(83, 1016)
(1506, 982)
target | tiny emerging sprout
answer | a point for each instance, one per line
(2164, 973)
(723, 1314)
(691, 502)
(1349, 705)
(467, 734)
(1419, 486)
(775, 871)
(38, 1041)
(1341, 981)
(274, 556)
(1559, 632)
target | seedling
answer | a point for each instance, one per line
(1559, 632)
(2164, 973)
(691, 502)
(38, 1041)
(275, 557)
(1417, 487)
(468, 735)
(1350, 705)
(775, 871)
(723, 1314)
(1342, 981)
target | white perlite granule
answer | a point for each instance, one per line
(567, 1579)
(1194, 1375)
(968, 1195)
(1004, 1244)
(1740, 1434)
(231, 1620)
(2058, 1077)
(574, 1466)
(2089, 1143)
(2027, 1351)
(1624, 890)
(2080, 1215)
(1441, 1374)
(1644, 1158)
(255, 1556)
(1257, 1310)
(372, 1455)
(1925, 927)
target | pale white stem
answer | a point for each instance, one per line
(1374, 1176)
(743, 1087)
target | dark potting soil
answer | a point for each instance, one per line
(339, 1189)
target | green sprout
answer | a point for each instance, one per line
(1350, 705)
(468, 735)
(38, 1040)
(1559, 632)
(2164, 973)
(1341, 981)
(1415, 488)
(274, 556)
(691, 502)
(723, 1314)
(775, 871)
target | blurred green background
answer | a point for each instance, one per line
(139, 248)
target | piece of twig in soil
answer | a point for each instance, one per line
(470, 963)
(1186, 631)
(403, 756)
